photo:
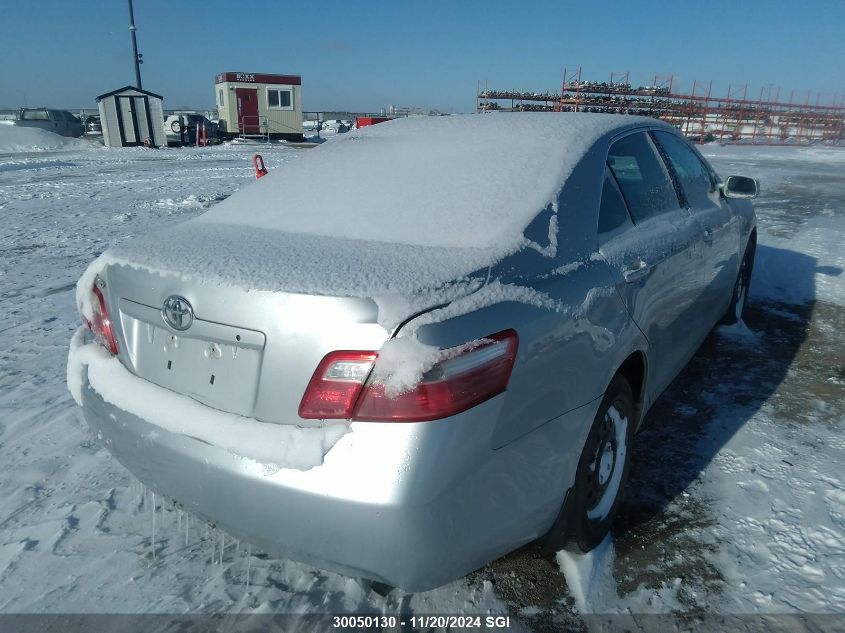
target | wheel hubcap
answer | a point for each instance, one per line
(606, 464)
(605, 468)
(604, 460)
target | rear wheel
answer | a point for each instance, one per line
(602, 470)
(739, 299)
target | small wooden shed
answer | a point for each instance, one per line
(131, 116)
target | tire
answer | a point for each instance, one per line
(176, 126)
(739, 298)
(593, 501)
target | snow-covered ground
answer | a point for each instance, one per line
(736, 502)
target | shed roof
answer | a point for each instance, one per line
(124, 89)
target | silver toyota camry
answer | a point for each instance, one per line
(437, 353)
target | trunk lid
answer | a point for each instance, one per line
(260, 326)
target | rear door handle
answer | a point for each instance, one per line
(636, 271)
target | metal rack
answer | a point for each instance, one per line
(698, 114)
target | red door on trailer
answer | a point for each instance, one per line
(247, 110)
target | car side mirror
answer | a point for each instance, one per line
(740, 187)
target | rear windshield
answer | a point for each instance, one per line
(34, 115)
(452, 181)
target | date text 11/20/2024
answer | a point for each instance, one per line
(451, 622)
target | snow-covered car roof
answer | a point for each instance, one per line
(472, 180)
(398, 207)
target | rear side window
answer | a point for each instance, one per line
(644, 182)
(694, 177)
(612, 213)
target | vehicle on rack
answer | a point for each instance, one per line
(404, 376)
(59, 122)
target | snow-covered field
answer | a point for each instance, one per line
(736, 503)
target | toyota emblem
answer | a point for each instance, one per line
(177, 312)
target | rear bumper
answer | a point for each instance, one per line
(412, 505)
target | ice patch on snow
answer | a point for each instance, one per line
(783, 272)
(281, 445)
(662, 599)
(590, 577)
(530, 612)
(191, 202)
(592, 585)
(749, 153)
(740, 333)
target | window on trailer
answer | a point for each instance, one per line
(280, 99)
(220, 97)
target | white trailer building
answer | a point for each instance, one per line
(131, 116)
(257, 104)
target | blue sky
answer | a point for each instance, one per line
(365, 56)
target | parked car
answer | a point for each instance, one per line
(436, 356)
(337, 125)
(60, 122)
(182, 129)
(93, 125)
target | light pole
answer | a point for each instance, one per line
(136, 56)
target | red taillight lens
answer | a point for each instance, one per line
(100, 325)
(335, 385)
(453, 385)
(459, 382)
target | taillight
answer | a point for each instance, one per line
(462, 380)
(335, 385)
(100, 324)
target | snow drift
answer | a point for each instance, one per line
(16, 139)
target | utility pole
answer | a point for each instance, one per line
(136, 56)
